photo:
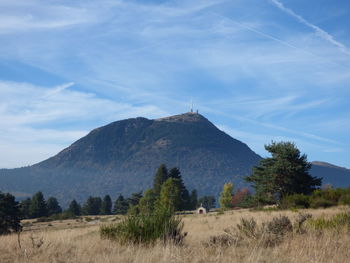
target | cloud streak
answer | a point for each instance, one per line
(320, 32)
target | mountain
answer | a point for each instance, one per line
(331, 174)
(122, 157)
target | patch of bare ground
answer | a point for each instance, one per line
(79, 241)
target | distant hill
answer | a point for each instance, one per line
(331, 174)
(122, 157)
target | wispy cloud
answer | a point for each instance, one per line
(51, 118)
(320, 32)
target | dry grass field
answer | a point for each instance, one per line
(79, 241)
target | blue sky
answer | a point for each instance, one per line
(260, 70)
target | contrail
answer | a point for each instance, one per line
(280, 40)
(323, 34)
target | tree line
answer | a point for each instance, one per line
(168, 190)
(283, 179)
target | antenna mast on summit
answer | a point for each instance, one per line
(191, 110)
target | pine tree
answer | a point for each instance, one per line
(170, 194)
(74, 208)
(106, 208)
(194, 199)
(185, 202)
(226, 196)
(92, 206)
(38, 206)
(120, 205)
(10, 214)
(53, 207)
(147, 202)
(24, 208)
(160, 177)
(286, 172)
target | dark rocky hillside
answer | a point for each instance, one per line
(122, 157)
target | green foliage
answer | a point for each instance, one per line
(185, 201)
(146, 229)
(38, 206)
(170, 195)
(295, 201)
(226, 196)
(10, 214)
(338, 221)
(160, 178)
(344, 199)
(92, 206)
(283, 174)
(106, 207)
(133, 203)
(74, 208)
(147, 202)
(193, 200)
(53, 207)
(120, 205)
(320, 201)
(207, 201)
(319, 198)
(24, 208)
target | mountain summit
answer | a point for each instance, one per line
(122, 157)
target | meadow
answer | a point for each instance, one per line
(79, 241)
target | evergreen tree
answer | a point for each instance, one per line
(147, 202)
(92, 206)
(134, 199)
(74, 208)
(170, 194)
(53, 207)
(120, 205)
(133, 203)
(160, 177)
(226, 196)
(10, 214)
(185, 201)
(194, 199)
(208, 202)
(24, 208)
(106, 208)
(286, 172)
(38, 206)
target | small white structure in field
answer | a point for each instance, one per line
(201, 210)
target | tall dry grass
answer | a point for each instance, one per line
(83, 244)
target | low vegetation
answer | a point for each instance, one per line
(211, 238)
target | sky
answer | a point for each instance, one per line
(260, 70)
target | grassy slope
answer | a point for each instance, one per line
(79, 241)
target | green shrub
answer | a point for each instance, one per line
(295, 201)
(146, 229)
(336, 222)
(317, 202)
(344, 199)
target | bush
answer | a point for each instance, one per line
(146, 229)
(317, 202)
(295, 201)
(268, 234)
(279, 226)
(338, 221)
(344, 199)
